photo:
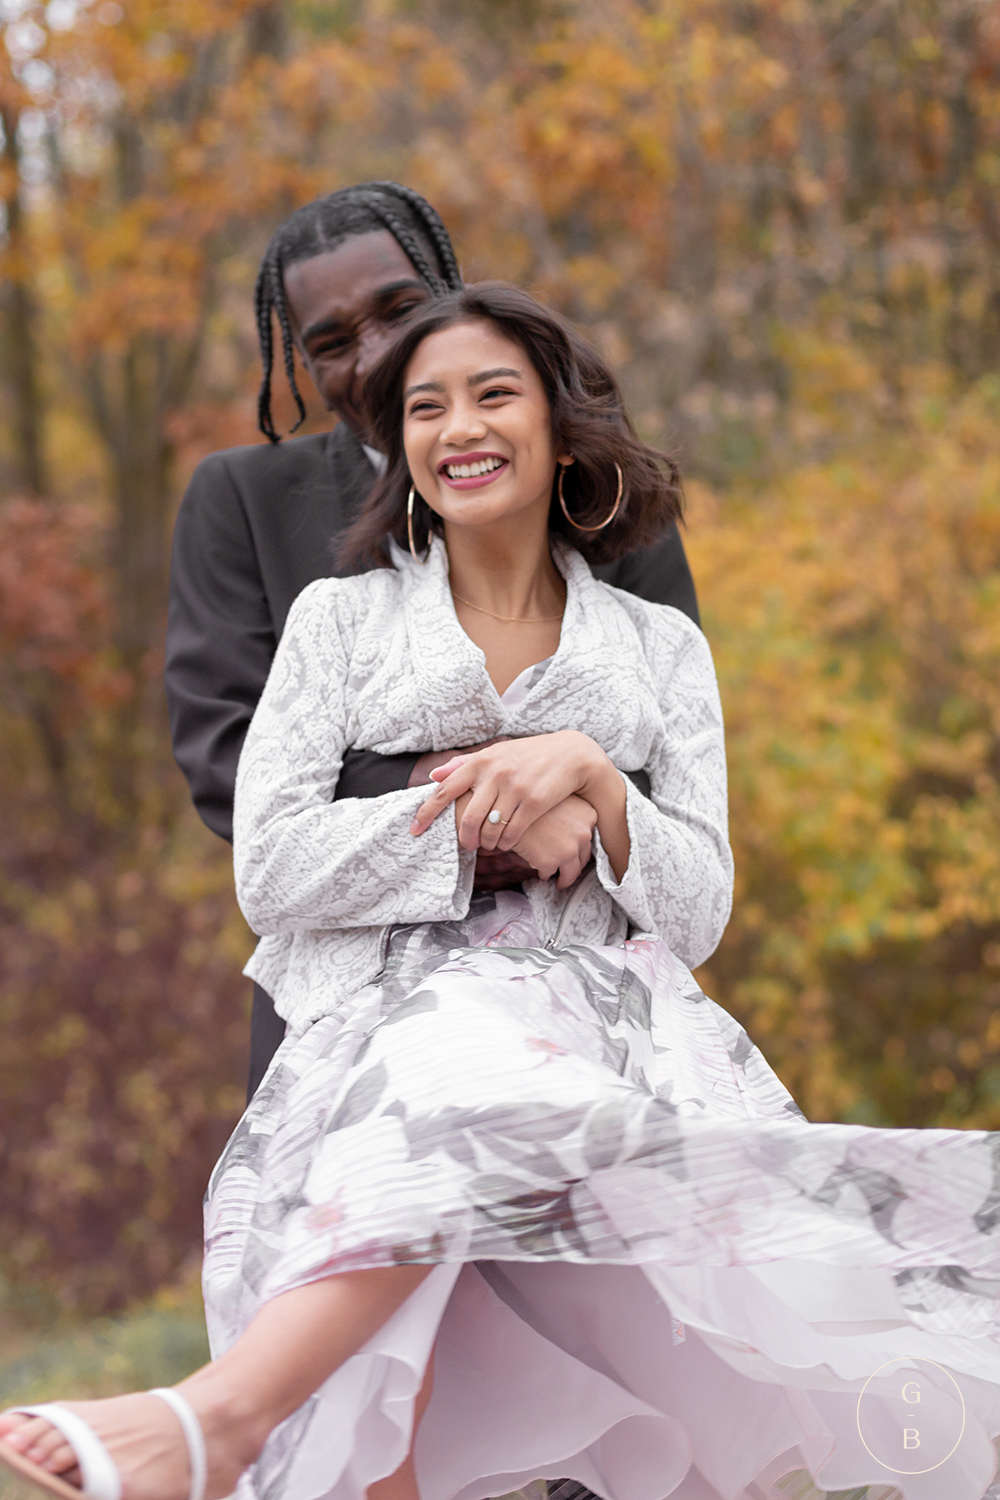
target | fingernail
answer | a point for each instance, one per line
(414, 826)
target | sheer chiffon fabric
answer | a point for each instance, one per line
(651, 1273)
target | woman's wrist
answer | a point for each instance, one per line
(598, 775)
(607, 794)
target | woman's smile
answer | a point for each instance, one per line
(470, 471)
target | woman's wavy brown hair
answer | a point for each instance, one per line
(589, 420)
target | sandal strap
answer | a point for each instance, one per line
(101, 1479)
(191, 1428)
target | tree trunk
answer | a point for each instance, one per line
(20, 318)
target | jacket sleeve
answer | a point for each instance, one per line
(659, 574)
(304, 862)
(679, 881)
(220, 639)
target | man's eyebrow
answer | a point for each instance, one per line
(485, 375)
(324, 325)
(407, 284)
(428, 385)
(333, 323)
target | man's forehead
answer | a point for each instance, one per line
(342, 281)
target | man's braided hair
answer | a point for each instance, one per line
(320, 226)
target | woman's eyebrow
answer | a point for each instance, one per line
(492, 375)
(480, 379)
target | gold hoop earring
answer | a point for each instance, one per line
(409, 524)
(614, 508)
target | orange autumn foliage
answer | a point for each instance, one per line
(780, 223)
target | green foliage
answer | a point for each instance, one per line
(156, 1344)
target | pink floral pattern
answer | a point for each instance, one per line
(492, 1105)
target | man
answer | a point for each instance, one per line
(257, 524)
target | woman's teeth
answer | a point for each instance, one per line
(470, 471)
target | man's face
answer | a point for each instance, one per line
(346, 307)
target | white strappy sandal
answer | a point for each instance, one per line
(101, 1479)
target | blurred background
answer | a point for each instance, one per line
(780, 220)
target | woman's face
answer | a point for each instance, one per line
(473, 401)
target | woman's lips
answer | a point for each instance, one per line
(473, 481)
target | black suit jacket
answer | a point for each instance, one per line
(255, 526)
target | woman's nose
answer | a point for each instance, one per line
(464, 422)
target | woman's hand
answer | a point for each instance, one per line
(559, 842)
(523, 779)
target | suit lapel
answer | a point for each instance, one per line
(350, 472)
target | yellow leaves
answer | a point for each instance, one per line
(925, 48)
(438, 74)
(853, 612)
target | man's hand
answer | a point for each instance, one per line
(496, 871)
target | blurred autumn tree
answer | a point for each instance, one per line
(781, 222)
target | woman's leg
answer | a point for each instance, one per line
(289, 1349)
(403, 1484)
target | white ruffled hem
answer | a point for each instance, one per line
(585, 1372)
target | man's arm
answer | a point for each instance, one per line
(221, 640)
(659, 573)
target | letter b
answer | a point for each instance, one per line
(911, 1437)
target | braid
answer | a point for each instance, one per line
(405, 239)
(287, 342)
(321, 226)
(433, 226)
(262, 303)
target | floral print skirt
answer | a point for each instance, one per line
(651, 1273)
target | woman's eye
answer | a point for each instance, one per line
(421, 408)
(496, 390)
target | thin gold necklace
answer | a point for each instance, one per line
(508, 619)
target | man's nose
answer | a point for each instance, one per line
(372, 344)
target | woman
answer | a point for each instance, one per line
(510, 1172)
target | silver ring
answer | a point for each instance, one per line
(494, 817)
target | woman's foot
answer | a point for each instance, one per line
(145, 1442)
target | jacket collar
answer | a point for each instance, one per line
(463, 706)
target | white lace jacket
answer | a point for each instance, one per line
(380, 662)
